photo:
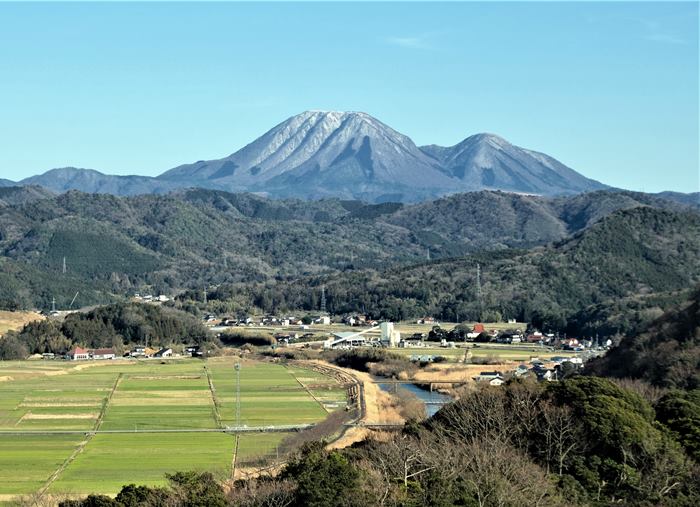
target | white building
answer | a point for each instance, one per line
(390, 336)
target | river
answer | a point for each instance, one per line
(433, 401)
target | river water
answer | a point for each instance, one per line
(433, 401)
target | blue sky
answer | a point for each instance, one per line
(610, 89)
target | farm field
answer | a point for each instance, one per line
(499, 353)
(156, 409)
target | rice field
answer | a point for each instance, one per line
(156, 409)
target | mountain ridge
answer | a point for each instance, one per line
(348, 155)
(198, 237)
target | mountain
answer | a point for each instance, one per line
(487, 161)
(7, 183)
(91, 181)
(319, 154)
(352, 156)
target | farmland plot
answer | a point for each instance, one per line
(134, 421)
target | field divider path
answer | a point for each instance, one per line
(234, 458)
(214, 399)
(88, 437)
(323, 406)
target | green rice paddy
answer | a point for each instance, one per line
(150, 403)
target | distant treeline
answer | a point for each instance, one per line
(116, 325)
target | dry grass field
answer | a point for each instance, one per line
(12, 321)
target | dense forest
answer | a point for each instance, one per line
(193, 239)
(115, 326)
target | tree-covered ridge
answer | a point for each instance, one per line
(642, 259)
(666, 354)
(197, 238)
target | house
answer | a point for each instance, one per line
(490, 376)
(165, 352)
(78, 354)
(103, 354)
(138, 351)
(570, 343)
(324, 320)
(546, 375)
(478, 328)
(193, 351)
(521, 370)
(535, 337)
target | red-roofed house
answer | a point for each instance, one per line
(77, 354)
(478, 328)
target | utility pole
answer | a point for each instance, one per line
(237, 367)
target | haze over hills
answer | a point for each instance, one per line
(349, 155)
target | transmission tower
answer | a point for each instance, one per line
(427, 253)
(64, 265)
(478, 291)
(237, 367)
(323, 299)
(53, 305)
(205, 295)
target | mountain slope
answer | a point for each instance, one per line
(317, 154)
(486, 161)
(666, 354)
(641, 250)
(7, 183)
(201, 237)
(10, 196)
(91, 181)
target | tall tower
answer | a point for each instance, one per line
(323, 299)
(64, 265)
(478, 291)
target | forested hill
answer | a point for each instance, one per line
(116, 245)
(666, 354)
(609, 278)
